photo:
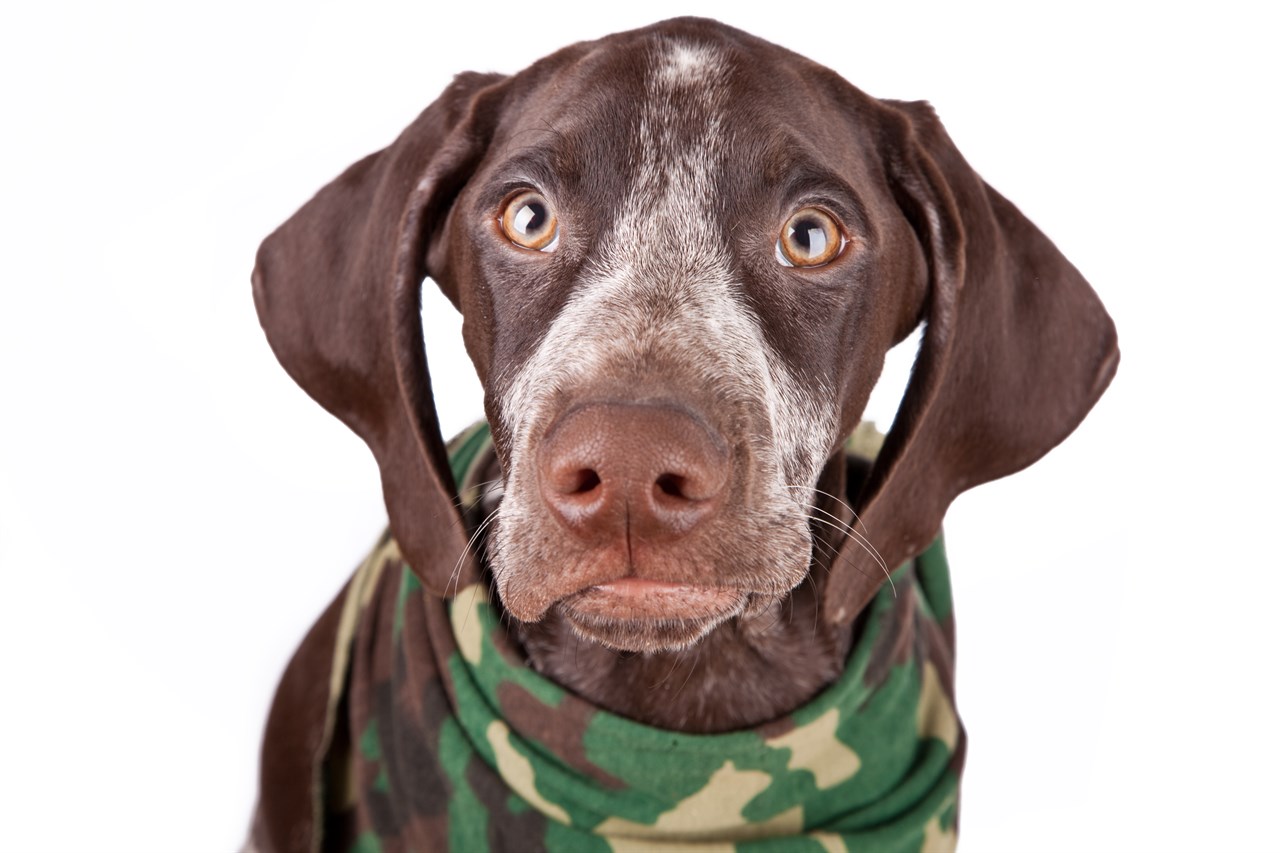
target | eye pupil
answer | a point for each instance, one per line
(809, 237)
(531, 217)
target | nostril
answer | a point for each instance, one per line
(582, 481)
(671, 484)
(632, 473)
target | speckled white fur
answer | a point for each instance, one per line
(662, 282)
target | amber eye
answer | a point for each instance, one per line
(528, 221)
(810, 238)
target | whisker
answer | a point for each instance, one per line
(830, 515)
(816, 608)
(675, 662)
(827, 547)
(818, 491)
(472, 606)
(791, 606)
(458, 499)
(857, 519)
(867, 546)
(838, 500)
(504, 618)
(850, 529)
(696, 658)
(456, 574)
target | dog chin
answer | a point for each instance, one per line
(616, 620)
(641, 635)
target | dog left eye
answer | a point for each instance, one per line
(810, 238)
(528, 220)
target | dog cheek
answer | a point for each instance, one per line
(517, 567)
(520, 564)
(500, 559)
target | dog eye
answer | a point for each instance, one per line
(810, 238)
(528, 221)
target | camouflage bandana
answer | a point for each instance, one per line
(440, 736)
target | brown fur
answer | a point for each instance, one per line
(1016, 348)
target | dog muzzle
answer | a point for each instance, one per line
(441, 737)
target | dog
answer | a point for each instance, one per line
(681, 254)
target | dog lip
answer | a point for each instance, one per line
(633, 598)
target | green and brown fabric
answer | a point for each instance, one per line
(440, 737)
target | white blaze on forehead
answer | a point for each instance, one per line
(666, 250)
(682, 63)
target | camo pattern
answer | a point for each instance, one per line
(441, 737)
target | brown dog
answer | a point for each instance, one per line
(681, 254)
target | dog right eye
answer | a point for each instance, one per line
(528, 221)
(810, 238)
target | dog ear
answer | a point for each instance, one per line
(338, 292)
(1016, 349)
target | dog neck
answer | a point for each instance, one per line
(747, 671)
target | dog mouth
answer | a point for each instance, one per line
(639, 615)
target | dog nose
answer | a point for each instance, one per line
(649, 471)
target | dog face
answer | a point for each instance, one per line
(672, 182)
(681, 254)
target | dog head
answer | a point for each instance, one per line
(681, 254)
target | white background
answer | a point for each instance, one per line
(174, 512)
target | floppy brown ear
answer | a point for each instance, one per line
(1016, 349)
(338, 292)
